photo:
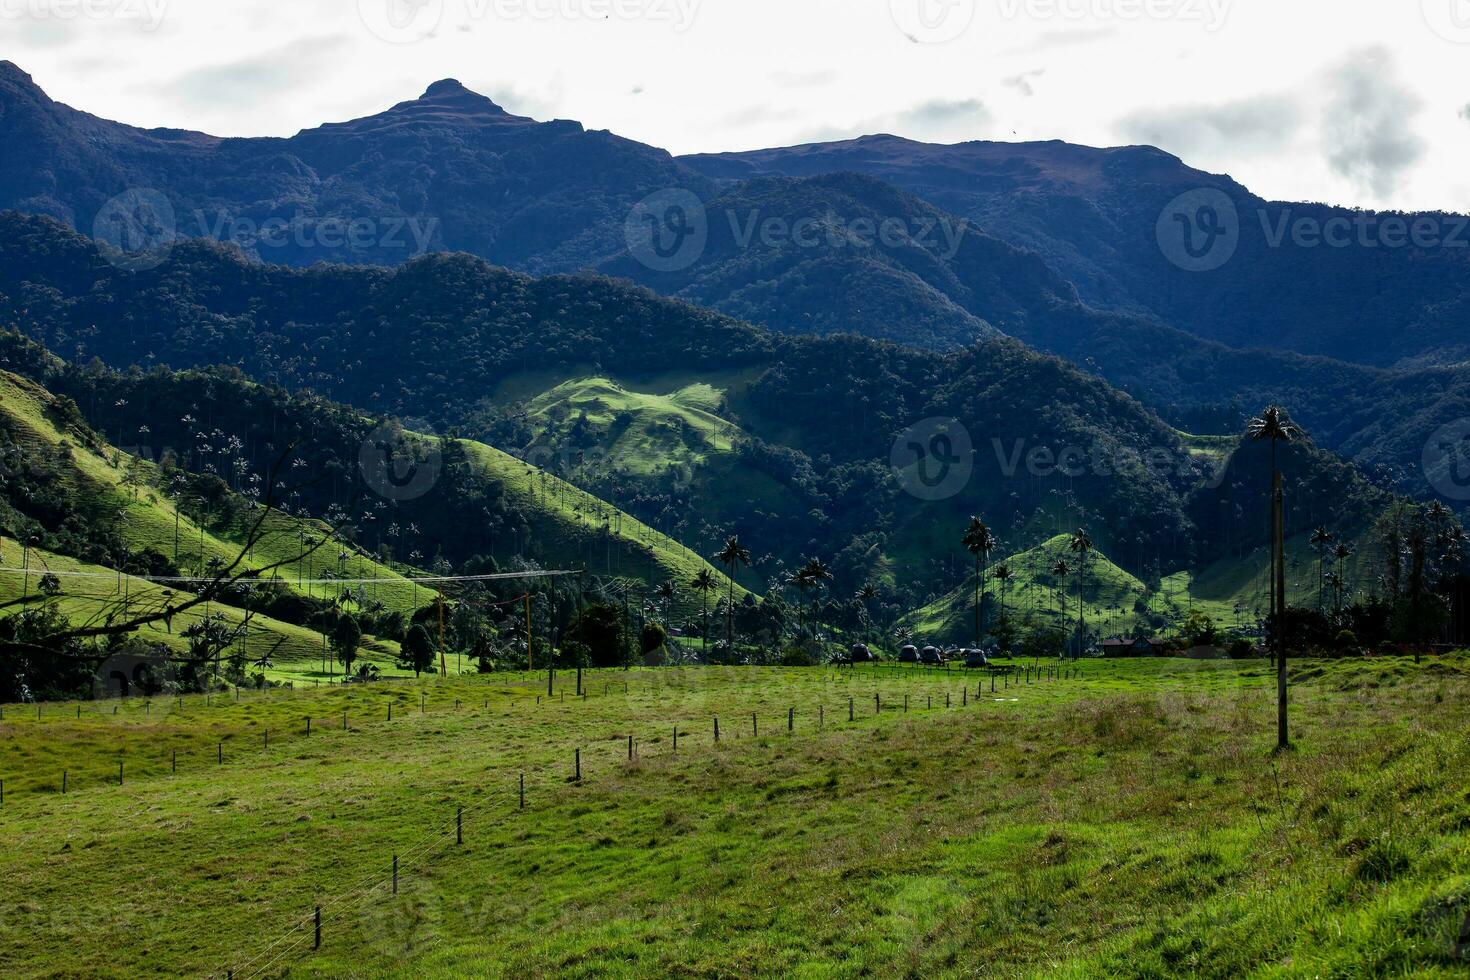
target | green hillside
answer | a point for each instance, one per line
(146, 518)
(634, 432)
(1035, 597)
(88, 592)
(591, 533)
(1232, 592)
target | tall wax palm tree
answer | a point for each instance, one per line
(1276, 426)
(816, 574)
(1003, 575)
(1081, 546)
(867, 595)
(797, 580)
(1322, 540)
(1342, 553)
(732, 556)
(979, 542)
(705, 583)
(665, 593)
(1061, 570)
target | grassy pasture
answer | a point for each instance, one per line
(1126, 821)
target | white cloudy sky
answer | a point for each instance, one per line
(1352, 101)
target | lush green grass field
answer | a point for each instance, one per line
(1128, 821)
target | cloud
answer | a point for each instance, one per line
(1368, 126)
(246, 82)
(1249, 126)
(939, 120)
(803, 79)
(1022, 82)
(1465, 112)
(1052, 40)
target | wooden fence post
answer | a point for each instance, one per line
(791, 719)
(318, 941)
(523, 791)
(395, 874)
(459, 825)
(717, 731)
(578, 759)
(849, 709)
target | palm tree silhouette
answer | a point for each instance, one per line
(1342, 553)
(867, 595)
(665, 592)
(1277, 427)
(705, 583)
(1081, 546)
(979, 542)
(1003, 575)
(815, 574)
(1061, 570)
(732, 556)
(1321, 539)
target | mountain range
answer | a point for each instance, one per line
(837, 295)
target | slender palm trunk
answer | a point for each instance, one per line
(979, 577)
(1081, 609)
(730, 615)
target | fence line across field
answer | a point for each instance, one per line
(425, 848)
(687, 727)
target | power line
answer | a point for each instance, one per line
(192, 580)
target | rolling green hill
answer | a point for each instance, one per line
(90, 592)
(547, 519)
(130, 488)
(633, 432)
(1035, 596)
(1232, 592)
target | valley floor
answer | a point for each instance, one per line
(1128, 820)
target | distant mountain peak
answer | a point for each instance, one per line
(446, 86)
(452, 92)
(10, 71)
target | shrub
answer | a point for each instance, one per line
(798, 656)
